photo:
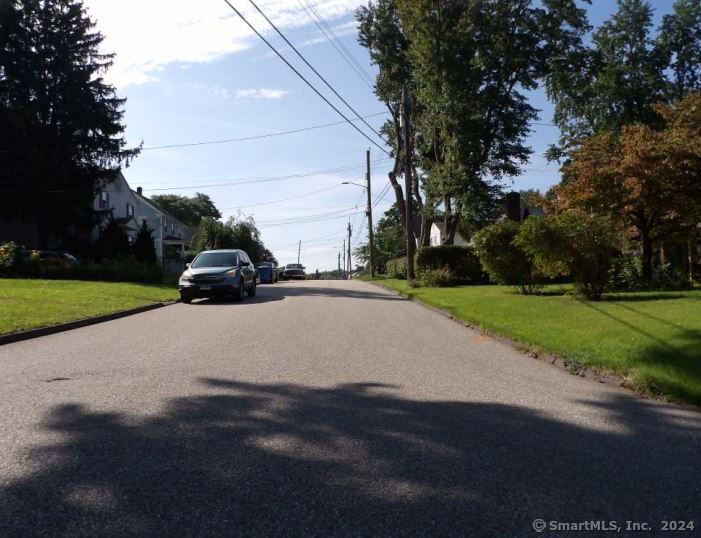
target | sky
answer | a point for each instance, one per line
(192, 72)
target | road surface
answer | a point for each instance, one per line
(318, 409)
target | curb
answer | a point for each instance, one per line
(598, 374)
(61, 327)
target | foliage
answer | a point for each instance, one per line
(626, 273)
(9, 257)
(189, 210)
(645, 178)
(504, 260)
(680, 39)
(238, 232)
(118, 269)
(388, 241)
(574, 243)
(113, 241)
(144, 248)
(396, 268)
(460, 260)
(61, 122)
(440, 277)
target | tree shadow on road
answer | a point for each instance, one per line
(273, 460)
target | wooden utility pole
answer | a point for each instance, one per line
(339, 265)
(408, 186)
(369, 215)
(343, 274)
(350, 263)
(299, 250)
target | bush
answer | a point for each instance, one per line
(113, 242)
(574, 243)
(505, 261)
(436, 278)
(626, 273)
(124, 269)
(9, 258)
(396, 268)
(461, 261)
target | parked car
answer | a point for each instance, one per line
(294, 271)
(266, 272)
(218, 273)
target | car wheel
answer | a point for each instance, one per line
(238, 295)
(252, 290)
(186, 299)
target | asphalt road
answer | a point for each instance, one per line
(320, 409)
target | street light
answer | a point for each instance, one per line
(368, 212)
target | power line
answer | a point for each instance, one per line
(304, 79)
(311, 220)
(281, 199)
(350, 59)
(314, 70)
(264, 179)
(256, 137)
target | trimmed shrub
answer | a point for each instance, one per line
(124, 269)
(436, 278)
(396, 268)
(506, 262)
(461, 261)
(9, 258)
(574, 243)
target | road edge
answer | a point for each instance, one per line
(598, 374)
(78, 323)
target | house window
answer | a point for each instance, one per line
(130, 210)
(104, 200)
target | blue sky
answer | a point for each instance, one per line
(191, 72)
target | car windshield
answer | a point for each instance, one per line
(294, 266)
(215, 259)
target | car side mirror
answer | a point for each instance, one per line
(187, 266)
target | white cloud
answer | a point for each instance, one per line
(262, 93)
(149, 35)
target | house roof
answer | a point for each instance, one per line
(157, 207)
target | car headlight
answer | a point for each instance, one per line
(187, 275)
(232, 272)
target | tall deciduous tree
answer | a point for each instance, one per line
(680, 38)
(61, 135)
(611, 83)
(647, 177)
(189, 210)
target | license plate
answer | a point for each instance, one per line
(205, 288)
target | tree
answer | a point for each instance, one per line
(388, 240)
(611, 83)
(647, 179)
(239, 232)
(680, 38)
(113, 241)
(189, 210)
(61, 122)
(144, 248)
(572, 243)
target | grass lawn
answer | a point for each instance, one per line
(28, 304)
(652, 338)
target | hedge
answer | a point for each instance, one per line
(396, 267)
(461, 260)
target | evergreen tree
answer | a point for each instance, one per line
(144, 248)
(113, 241)
(61, 122)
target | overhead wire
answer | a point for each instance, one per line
(304, 79)
(310, 66)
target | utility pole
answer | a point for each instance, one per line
(369, 215)
(299, 250)
(339, 265)
(343, 275)
(350, 263)
(408, 186)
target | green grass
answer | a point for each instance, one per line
(651, 338)
(28, 304)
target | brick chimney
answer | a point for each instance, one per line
(513, 206)
(139, 191)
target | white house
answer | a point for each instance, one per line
(130, 208)
(438, 235)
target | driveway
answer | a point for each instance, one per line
(324, 408)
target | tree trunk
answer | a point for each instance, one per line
(399, 196)
(451, 228)
(426, 224)
(647, 254)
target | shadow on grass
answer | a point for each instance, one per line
(291, 460)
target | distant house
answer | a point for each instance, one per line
(438, 235)
(130, 208)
